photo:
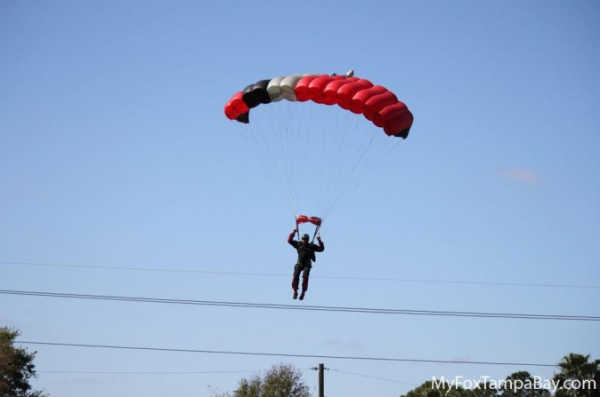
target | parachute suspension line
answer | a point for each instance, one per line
(383, 151)
(299, 149)
(294, 154)
(343, 158)
(258, 137)
(283, 134)
(297, 228)
(322, 151)
(341, 155)
(322, 154)
(359, 160)
(307, 148)
(282, 138)
(293, 148)
(322, 170)
(334, 141)
(287, 151)
(315, 233)
(319, 151)
(322, 138)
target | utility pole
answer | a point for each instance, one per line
(321, 368)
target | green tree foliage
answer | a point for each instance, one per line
(522, 384)
(280, 381)
(249, 387)
(16, 367)
(438, 389)
(578, 370)
(284, 381)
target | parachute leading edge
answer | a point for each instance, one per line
(376, 103)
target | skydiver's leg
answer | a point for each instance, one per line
(296, 279)
(305, 276)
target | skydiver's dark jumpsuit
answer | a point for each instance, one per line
(306, 255)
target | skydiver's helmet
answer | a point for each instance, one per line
(305, 238)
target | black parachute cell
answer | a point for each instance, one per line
(256, 93)
(244, 118)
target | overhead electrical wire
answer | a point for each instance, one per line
(153, 373)
(364, 310)
(372, 377)
(143, 372)
(250, 274)
(170, 373)
(292, 355)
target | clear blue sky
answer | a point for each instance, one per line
(116, 158)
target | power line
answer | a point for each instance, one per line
(305, 308)
(154, 372)
(250, 274)
(373, 377)
(142, 372)
(71, 372)
(292, 355)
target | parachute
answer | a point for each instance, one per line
(309, 130)
(376, 103)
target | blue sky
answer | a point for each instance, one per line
(120, 175)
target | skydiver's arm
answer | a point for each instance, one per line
(290, 239)
(321, 246)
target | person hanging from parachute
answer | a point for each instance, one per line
(306, 253)
(378, 105)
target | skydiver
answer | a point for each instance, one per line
(306, 255)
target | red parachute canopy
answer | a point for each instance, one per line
(376, 103)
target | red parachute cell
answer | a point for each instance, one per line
(302, 93)
(235, 106)
(317, 87)
(330, 93)
(357, 104)
(347, 91)
(378, 102)
(397, 117)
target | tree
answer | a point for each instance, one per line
(16, 367)
(438, 389)
(522, 384)
(578, 377)
(280, 381)
(249, 388)
(284, 381)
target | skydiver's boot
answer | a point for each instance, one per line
(296, 295)
(302, 295)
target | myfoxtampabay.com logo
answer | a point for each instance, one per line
(486, 382)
